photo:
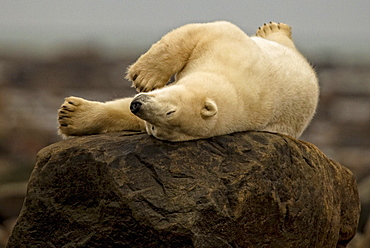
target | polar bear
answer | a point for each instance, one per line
(225, 82)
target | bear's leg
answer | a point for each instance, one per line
(278, 32)
(164, 59)
(78, 116)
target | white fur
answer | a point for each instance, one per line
(225, 82)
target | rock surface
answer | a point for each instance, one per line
(252, 189)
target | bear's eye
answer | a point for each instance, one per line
(170, 112)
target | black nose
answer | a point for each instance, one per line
(135, 106)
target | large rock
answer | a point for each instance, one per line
(252, 189)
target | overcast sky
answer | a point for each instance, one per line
(324, 27)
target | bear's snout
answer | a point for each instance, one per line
(135, 106)
(137, 102)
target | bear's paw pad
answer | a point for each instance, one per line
(273, 28)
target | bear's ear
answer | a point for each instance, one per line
(209, 109)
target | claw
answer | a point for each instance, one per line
(66, 108)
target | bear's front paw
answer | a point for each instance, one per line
(146, 78)
(76, 117)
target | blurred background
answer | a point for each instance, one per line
(53, 49)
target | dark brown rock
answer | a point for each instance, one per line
(252, 189)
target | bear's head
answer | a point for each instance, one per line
(176, 113)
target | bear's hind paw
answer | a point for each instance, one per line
(273, 28)
(278, 32)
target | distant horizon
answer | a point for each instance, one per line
(46, 28)
(60, 49)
